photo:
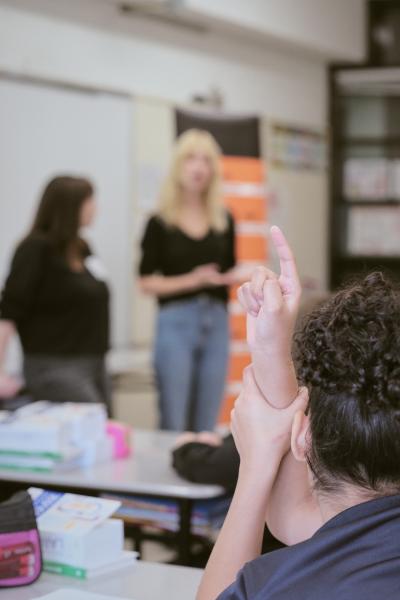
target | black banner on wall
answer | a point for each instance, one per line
(237, 136)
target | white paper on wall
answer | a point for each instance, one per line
(367, 178)
(374, 231)
(150, 177)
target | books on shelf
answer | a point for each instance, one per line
(371, 179)
(78, 537)
(207, 515)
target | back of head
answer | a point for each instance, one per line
(58, 215)
(348, 355)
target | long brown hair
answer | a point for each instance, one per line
(58, 215)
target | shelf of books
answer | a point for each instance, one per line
(365, 172)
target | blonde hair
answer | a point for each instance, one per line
(194, 140)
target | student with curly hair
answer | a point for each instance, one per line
(323, 465)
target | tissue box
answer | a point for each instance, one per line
(100, 545)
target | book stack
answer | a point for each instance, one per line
(45, 437)
(78, 537)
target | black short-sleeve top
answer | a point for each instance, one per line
(57, 311)
(169, 251)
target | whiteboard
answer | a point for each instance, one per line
(47, 130)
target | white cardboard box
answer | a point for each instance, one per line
(100, 545)
(76, 530)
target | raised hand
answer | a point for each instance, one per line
(271, 300)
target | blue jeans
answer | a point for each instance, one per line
(191, 356)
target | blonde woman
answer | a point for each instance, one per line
(187, 262)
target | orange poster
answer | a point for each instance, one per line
(245, 197)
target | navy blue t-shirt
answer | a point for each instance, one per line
(354, 556)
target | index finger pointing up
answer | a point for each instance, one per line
(285, 254)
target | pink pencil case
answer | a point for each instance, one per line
(20, 550)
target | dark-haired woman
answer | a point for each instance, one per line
(322, 466)
(56, 299)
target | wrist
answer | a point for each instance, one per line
(192, 280)
(279, 353)
(274, 343)
(260, 469)
(256, 479)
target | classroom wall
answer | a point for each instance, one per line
(48, 130)
(155, 135)
(270, 82)
(326, 27)
(285, 84)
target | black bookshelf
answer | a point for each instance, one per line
(364, 130)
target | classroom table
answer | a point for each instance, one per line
(143, 581)
(148, 472)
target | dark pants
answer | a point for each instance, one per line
(68, 379)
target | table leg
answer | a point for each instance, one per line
(134, 533)
(184, 534)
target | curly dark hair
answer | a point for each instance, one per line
(348, 354)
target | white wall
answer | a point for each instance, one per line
(333, 28)
(48, 131)
(155, 135)
(281, 85)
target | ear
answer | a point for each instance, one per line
(300, 428)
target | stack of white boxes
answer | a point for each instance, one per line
(44, 436)
(77, 536)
